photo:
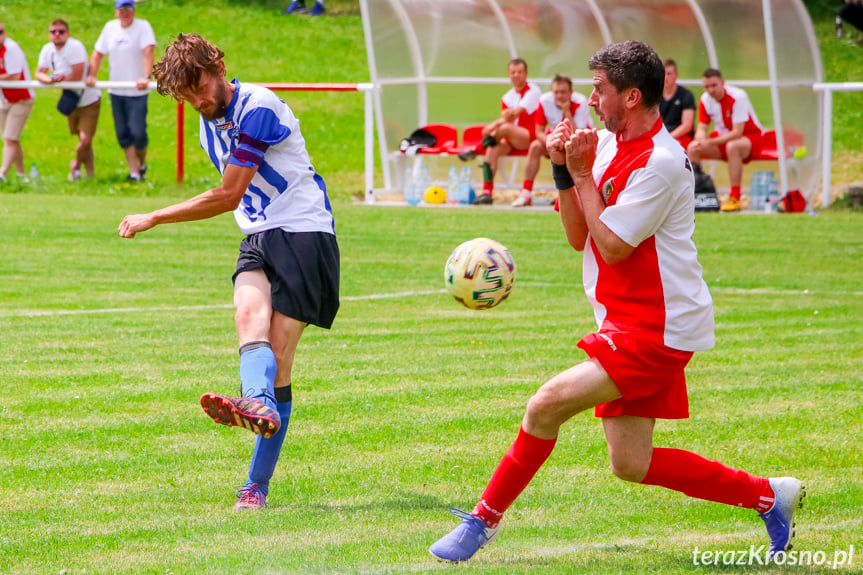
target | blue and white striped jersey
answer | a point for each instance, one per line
(259, 129)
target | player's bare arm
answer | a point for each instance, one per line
(571, 214)
(580, 156)
(735, 133)
(224, 198)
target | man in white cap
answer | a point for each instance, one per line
(129, 43)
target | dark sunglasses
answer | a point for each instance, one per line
(58, 31)
(2, 30)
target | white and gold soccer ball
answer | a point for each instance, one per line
(480, 273)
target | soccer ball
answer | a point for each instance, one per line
(480, 273)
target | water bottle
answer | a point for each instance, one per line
(758, 190)
(772, 194)
(838, 26)
(410, 191)
(465, 186)
(34, 171)
(453, 185)
(421, 184)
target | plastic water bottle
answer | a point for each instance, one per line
(758, 190)
(410, 191)
(772, 194)
(453, 185)
(34, 171)
(421, 184)
(464, 185)
(838, 26)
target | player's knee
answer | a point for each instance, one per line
(628, 469)
(543, 407)
(248, 318)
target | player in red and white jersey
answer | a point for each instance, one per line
(737, 135)
(627, 202)
(513, 130)
(554, 106)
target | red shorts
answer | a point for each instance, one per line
(757, 141)
(648, 375)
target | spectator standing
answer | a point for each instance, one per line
(299, 7)
(16, 104)
(514, 129)
(64, 59)
(677, 107)
(852, 12)
(737, 135)
(129, 43)
(554, 106)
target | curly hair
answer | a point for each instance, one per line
(185, 60)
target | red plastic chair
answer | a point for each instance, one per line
(768, 151)
(470, 140)
(446, 138)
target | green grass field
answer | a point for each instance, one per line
(108, 464)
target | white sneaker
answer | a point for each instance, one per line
(525, 199)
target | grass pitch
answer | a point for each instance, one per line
(108, 464)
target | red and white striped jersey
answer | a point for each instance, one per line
(549, 115)
(648, 188)
(527, 98)
(733, 108)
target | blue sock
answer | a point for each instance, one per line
(266, 453)
(258, 371)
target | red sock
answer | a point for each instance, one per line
(698, 477)
(487, 187)
(527, 185)
(735, 192)
(513, 473)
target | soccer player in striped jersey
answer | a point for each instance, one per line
(627, 201)
(287, 272)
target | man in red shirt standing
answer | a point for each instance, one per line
(627, 201)
(16, 104)
(514, 129)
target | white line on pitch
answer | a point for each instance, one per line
(196, 307)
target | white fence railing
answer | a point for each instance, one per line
(826, 122)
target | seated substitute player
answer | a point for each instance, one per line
(677, 106)
(288, 269)
(554, 106)
(738, 135)
(513, 130)
(626, 201)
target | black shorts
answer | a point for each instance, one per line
(303, 269)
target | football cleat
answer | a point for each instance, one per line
(250, 497)
(483, 200)
(732, 205)
(780, 519)
(525, 199)
(464, 541)
(467, 155)
(296, 7)
(317, 9)
(248, 412)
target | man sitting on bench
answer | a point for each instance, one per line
(554, 106)
(738, 135)
(514, 129)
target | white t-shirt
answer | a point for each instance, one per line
(13, 61)
(259, 129)
(61, 62)
(125, 50)
(549, 115)
(648, 187)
